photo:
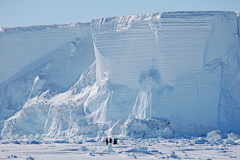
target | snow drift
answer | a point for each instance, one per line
(179, 70)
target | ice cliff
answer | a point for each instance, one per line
(179, 70)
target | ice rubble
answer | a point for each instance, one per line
(176, 73)
(139, 128)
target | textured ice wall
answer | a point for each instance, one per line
(165, 60)
(56, 116)
(227, 55)
(181, 67)
(20, 46)
(222, 51)
(39, 58)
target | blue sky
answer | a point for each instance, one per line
(15, 13)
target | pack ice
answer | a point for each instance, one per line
(145, 75)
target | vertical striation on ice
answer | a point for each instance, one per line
(54, 57)
(184, 92)
(222, 51)
(173, 71)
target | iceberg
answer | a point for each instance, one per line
(119, 74)
(49, 58)
(174, 62)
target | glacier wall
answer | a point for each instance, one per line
(229, 60)
(39, 58)
(165, 59)
(22, 45)
(179, 67)
(178, 64)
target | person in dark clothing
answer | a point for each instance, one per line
(106, 141)
(110, 140)
(114, 141)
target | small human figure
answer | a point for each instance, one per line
(110, 140)
(114, 141)
(106, 141)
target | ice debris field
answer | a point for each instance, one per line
(165, 85)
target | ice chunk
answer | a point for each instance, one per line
(30, 158)
(215, 135)
(146, 128)
(35, 142)
(200, 140)
(233, 136)
(139, 149)
(167, 133)
(109, 149)
(83, 148)
(228, 141)
(12, 156)
(173, 155)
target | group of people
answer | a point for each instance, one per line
(110, 140)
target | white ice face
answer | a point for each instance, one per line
(182, 67)
(174, 63)
(47, 57)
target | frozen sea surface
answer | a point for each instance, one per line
(151, 148)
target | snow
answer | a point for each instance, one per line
(150, 148)
(166, 85)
